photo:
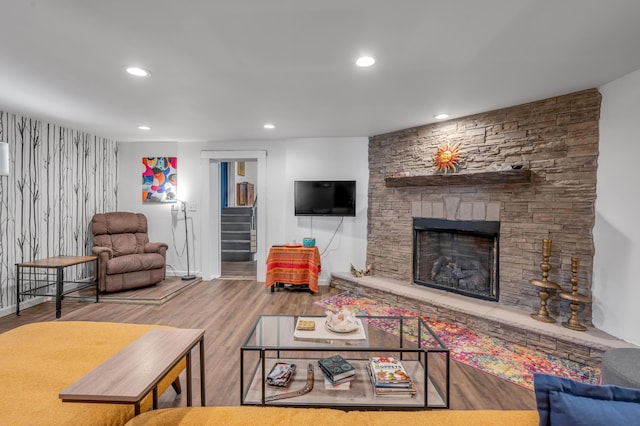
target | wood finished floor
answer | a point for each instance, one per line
(227, 309)
(245, 270)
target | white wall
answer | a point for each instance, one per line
(250, 175)
(616, 283)
(250, 172)
(330, 159)
(286, 161)
(164, 226)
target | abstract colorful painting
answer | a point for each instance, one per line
(159, 179)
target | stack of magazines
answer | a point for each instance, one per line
(280, 374)
(388, 377)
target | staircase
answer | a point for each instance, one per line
(235, 225)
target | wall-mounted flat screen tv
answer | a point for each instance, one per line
(325, 197)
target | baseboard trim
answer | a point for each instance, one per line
(24, 305)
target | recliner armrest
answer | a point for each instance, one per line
(102, 252)
(155, 247)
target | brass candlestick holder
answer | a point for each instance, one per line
(575, 299)
(545, 285)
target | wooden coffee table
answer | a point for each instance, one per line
(42, 281)
(128, 376)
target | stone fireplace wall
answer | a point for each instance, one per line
(556, 139)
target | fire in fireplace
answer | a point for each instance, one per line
(457, 256)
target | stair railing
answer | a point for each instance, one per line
(254, 209)
(252, 233)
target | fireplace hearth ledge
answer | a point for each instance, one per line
(486, 317)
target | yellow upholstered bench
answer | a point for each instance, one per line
(39, 360)
(234, 416)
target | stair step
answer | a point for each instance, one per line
(235, 256)
(237, 210)
(234, 218)
(235, 238)
(235, 226)
(236, 245)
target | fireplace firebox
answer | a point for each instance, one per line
(457, 256)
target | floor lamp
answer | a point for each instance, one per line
(187, 277)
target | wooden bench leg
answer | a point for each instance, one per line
(176, 385)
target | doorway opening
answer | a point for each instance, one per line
(238, 219)
(210, 190)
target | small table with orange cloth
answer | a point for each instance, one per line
(295, 265)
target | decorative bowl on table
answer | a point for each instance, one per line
(341, 322)
(309, 242)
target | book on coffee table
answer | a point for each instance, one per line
(336, 368)
(344, 384)
(399, 389)
(308, 325)
(388, 372)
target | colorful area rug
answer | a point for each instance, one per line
(509, 361)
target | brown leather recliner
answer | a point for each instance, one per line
(127, 259)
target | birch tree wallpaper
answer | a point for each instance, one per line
(59, 178)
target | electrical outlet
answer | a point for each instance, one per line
(193, 207)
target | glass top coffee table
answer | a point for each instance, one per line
(275, 338)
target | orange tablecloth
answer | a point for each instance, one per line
(293, 265)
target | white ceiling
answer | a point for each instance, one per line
(221, 69)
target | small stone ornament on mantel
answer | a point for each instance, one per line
(360, 273)
(501, 167)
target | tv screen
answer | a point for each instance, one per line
(325, 198)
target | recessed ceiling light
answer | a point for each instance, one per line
(269, 126)
(144, 127)
(441, 116)
(138, 72)
(365, 61)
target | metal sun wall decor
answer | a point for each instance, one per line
(159, 179)
(448, 158)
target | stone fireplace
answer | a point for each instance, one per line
(457, 256)
(549, 194)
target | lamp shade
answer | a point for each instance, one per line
(4, 159)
